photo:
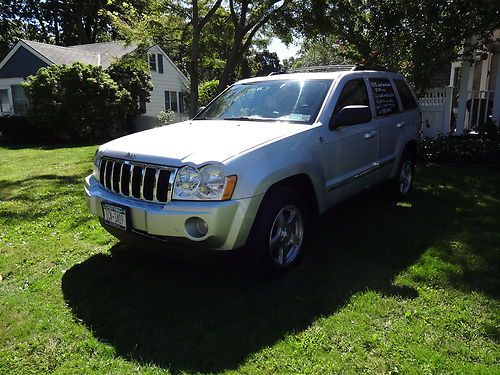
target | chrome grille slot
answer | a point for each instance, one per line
(148, 182)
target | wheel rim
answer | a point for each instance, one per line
(286, 235)
(405, 177)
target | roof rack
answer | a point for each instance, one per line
(327, 68)
(323, 68)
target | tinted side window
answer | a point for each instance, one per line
(405, 94)
(385, 99)
(353, 93)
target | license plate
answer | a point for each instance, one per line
(115, 216)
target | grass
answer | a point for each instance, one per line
(385, 288)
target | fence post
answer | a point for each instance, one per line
(496, 99)
(465, 81)
(447, 110)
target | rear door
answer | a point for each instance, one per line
(390, 122)
(351, 151)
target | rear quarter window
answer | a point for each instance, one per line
(407, 98)
(384, 96)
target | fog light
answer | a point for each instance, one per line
(196, 227)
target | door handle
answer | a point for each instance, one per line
(400, 124)
(371, 134)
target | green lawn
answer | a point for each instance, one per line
(385, 288)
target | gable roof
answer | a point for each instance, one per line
(62, 55)
(108, 51)
(96, 53)
(101, 54)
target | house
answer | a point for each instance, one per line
(169, 83)
(470, 95)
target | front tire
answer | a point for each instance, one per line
(277, 237)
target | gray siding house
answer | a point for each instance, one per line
(169, 83)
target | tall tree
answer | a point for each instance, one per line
(413, 36)
(62, 22)
(248, 18)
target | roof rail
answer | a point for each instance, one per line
(323, 68)
(278, 72)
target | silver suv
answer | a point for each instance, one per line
(257, 163)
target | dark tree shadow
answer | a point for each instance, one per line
(187, 316)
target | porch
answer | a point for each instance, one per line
(476, 79)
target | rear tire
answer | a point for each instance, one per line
(277, 238)
(402, 184)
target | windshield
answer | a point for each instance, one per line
(273, 100)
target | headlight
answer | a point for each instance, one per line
(186, 182)
(95, 164)
(207, 183)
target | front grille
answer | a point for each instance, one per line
(142, 181)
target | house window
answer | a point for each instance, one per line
(19, 99)
(171, 101)
(152, 62)
(160, 63)
(4, 101)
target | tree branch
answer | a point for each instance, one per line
(234, 17)
(210, 13)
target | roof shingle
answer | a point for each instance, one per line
(96, 54)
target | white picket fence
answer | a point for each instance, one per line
(436, 105)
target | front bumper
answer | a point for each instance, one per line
(229, 222)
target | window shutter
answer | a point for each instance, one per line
(160, 63)
(181, 102)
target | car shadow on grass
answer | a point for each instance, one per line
(187, 316)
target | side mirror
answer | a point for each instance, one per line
(350, 115)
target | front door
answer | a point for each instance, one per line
(351, 151)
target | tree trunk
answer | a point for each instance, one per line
(193, 73)
(232, 60)
(193, 64)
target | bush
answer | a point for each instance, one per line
(166, 117)
(462, 149)
(207, 91)
(77, 101)
(132, 74)
(17, 127)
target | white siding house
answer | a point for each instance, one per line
(27, 57)
(170, 87)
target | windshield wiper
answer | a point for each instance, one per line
(249, 118)
(246, 118)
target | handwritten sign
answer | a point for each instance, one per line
(385, 99)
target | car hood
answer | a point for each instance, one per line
(198, 142)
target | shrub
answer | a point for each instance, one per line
(132, 73)
(207, 91)
(462, 149)
(166, 117)
(77, 101)
(17, 127)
